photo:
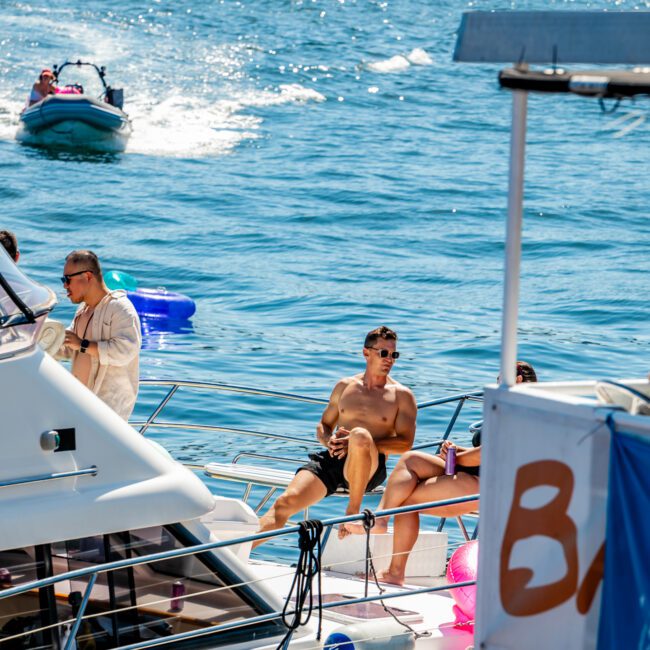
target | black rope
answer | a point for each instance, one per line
(368, 524)
(309, 564)
(609, 111)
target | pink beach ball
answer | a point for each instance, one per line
(463, 566)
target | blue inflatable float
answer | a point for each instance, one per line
(160, 303)
(152, 303)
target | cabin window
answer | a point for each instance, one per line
(27, 615)
(128, 605)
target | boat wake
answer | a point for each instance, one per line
(181, 126)
(400, 62)
(9, 113)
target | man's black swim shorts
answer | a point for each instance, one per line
(330, 471)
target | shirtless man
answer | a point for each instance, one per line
(375, 416)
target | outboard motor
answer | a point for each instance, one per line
(115, 97)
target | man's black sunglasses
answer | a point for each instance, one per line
(383, 353)
(65, 279)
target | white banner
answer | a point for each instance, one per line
(543, 510)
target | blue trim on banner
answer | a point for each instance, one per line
(625, 608)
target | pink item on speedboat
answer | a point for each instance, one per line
(68, 90)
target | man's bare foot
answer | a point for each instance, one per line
(390, 578)
(356, 528)
(344, 531)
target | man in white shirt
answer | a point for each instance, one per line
(104, 337)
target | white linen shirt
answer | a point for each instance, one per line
(115, 374)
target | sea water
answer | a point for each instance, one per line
(309, 170)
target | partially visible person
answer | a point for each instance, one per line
(10, 243)
(44, 86)
(375, 416)
(104, 338)
(419, 478)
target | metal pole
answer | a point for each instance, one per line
(513, 239)
(159, 408)
(89, 471)
(80, 613)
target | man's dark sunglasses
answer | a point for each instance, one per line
(65, 279)
(383, 353)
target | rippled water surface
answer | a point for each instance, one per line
(308, 170)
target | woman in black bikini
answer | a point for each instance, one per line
(418, 478)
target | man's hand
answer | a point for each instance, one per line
(338, 443)
(72, 341)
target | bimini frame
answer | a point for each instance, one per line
(550, 38)
(545, 457)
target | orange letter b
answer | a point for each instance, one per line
(551, 520)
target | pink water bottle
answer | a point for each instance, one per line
(177, 602)
(450, 461)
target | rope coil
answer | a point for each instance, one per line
(308, 565)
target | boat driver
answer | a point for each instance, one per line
(44, 86)
(375, 416)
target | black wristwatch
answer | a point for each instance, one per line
(84, 345)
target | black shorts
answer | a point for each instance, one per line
(330, 471)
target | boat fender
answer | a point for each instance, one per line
(371, 635)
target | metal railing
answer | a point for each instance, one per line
(92, 573)
(41, 478)
(175, 385)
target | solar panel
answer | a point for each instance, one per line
(554, 37)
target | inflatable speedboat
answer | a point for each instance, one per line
(71, 118)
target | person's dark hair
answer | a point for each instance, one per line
(382, 332)
(526, 372)
(10, 243)
(88, 260)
